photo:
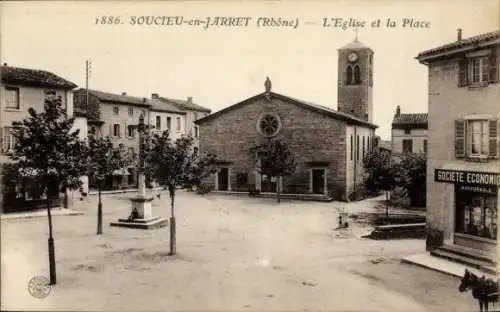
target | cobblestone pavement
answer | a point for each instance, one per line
(234, 253)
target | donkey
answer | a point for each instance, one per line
(485, 290)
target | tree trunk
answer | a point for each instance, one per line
(387, 206)
(99, 209)
(278, 180)
(52, 259)
(172, 224)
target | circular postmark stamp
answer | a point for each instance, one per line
(39, 287)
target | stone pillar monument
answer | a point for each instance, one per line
(141, 216)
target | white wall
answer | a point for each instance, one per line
(418, 136)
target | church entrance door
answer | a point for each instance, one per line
(318, 181)
(223, 179)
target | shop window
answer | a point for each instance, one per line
(476, 138)
(476, 213)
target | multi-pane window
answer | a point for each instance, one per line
(169, 123)
(158, 122)
(425, 146)
(131, 111)
(116, 110)
(478, 69)
(8, 140)
(363, 147)
(357, 148)
(196, 131)
(407, 131)
(116, 130)
(476, 138)
(12, 98)
(130, 131)
(476, 214)
(407, 146)
(179, 126)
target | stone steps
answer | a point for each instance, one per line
(466, 256)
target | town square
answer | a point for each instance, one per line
(249, 157)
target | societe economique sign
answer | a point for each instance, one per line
(467, 177)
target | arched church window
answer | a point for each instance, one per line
(349, 74)
(357, 75)
(269, 125)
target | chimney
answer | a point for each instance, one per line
(154, 95)
(459, 34)
(124, 93)
(190, 99)
(398, 111)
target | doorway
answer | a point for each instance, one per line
(223, 179)
(318, 181)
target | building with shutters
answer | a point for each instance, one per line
(20, 90)
(328, 145)
(408, 133)
(117, 115)
(463, 166)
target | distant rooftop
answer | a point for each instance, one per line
(461, 43)
(185, 104)
(118, 98)
(33, 78)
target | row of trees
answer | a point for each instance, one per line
(49, 153)
(385, 173)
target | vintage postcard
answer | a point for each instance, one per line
(249, 155)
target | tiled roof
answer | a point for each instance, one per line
(306, 105)
(410, 119)
(186, 105)
(165, 106)
(466, 42)
(119, 98)
(33, 77)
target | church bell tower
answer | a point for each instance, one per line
(355, 80)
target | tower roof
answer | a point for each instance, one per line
(354, 45)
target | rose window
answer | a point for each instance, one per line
(269, 125)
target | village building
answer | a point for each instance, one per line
(408, 133)
(328, 145)
(185, 124)
(20, 90)
(463, 166)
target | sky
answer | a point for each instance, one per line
(221, 66)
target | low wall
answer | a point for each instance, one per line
(398, 231)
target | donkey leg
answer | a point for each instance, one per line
(480, 306)
(486, 306)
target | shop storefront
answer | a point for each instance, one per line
(475, 207)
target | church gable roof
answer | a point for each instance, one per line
(303, 104)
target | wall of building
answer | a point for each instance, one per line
(354, 165)
(448, 102)
(174, 134)
(418, 136)
(310, 136)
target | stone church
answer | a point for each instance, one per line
(328, 145)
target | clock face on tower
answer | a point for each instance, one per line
(352, 57)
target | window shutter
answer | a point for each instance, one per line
(460, 138)
(462, 72)
(493, 138)
(493, 67)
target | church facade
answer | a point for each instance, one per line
(328, 145)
